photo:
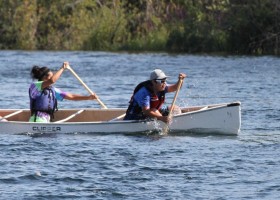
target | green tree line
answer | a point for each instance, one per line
(191, 26)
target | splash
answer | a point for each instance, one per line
(156, 124)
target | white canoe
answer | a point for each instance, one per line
(219, 119)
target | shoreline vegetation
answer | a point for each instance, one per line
(174, 26)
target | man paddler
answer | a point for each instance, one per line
(148, 98)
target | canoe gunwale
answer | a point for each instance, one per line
(209, 108)
(132, 121)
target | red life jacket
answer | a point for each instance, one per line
(156, 101)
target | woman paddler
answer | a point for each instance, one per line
(43, 95)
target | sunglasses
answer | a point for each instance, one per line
(160, 81)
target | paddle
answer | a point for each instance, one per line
(169, 116)
(82, 82)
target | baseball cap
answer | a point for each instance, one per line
(157, 74)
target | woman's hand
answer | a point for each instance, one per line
(92, 96)
(65, 65)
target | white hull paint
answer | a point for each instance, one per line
(219, 118)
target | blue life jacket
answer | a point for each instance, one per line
(45, 102)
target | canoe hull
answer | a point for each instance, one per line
(220, 119)
(224, 120)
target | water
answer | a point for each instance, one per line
(85, 166)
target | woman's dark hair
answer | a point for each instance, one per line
(39, 72)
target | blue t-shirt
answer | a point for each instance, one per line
(143, 97)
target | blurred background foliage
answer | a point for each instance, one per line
(191, 26)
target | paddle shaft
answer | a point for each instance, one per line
(175, 97)
(169, 116)
(87, 88)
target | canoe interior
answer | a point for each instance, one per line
(88, 115)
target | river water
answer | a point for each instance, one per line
(85, 166)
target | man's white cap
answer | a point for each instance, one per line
(157, 74)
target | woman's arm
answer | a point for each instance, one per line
(55, 77)
(77, 97)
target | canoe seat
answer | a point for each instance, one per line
(204, 108)
(70, 117)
